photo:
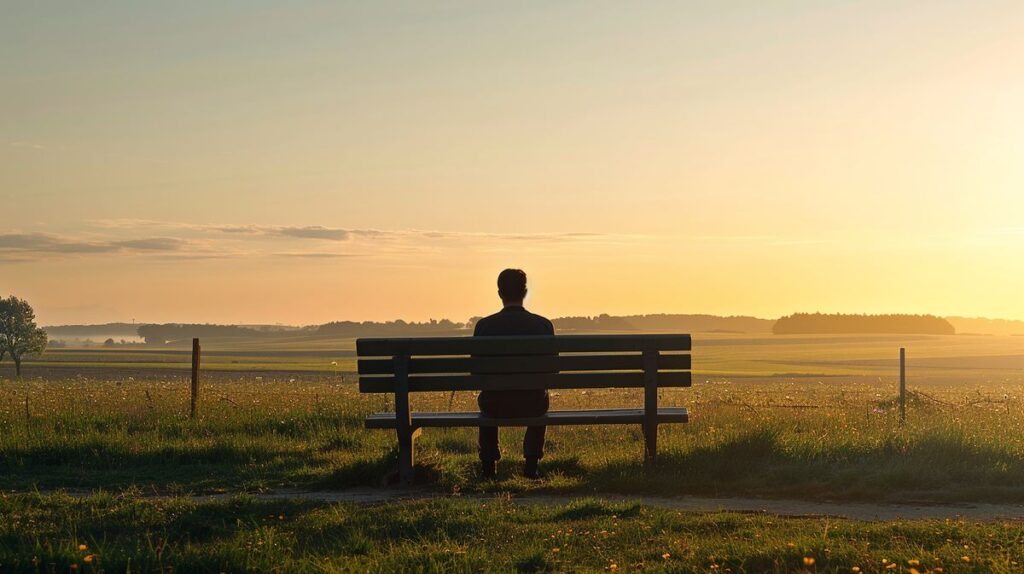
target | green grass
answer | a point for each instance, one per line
(745, 439)
(123, 532)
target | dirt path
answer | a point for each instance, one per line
(792, 508)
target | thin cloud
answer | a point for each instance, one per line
(48, 243)
(19, 245)
(25, 145)
(323, 233)
(313, 232)
(315, 255)
(153, 244)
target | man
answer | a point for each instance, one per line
(513, 319)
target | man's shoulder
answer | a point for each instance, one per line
(542, 320)
(483, 326)
(520, 322)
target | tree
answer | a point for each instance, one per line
(19, 334)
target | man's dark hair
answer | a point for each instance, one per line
(512, 284)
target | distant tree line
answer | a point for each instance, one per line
(390, 328)
(665, 322)
(800, 323)
(819, 323)
(169, 332)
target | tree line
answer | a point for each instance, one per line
(823, 324)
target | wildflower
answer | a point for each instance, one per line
(855, 569)
(913, 562)
(808, 561)
(556, 550)
(790, 545)
(891, 566)
(83, 547)
(914, 570)
(666, 556)
(88, 558)
(965, 558)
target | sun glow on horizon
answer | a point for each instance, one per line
(253, 162)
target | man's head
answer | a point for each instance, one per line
(512, 286)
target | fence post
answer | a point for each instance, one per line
(195, 377)
(903, 386)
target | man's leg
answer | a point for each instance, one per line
(533, 442)
(489, 451)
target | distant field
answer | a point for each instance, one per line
(932, 359)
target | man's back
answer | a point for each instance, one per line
(513, 320)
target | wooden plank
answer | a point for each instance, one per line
(523, 382)
(523, 364)
(527, 345)
(553, 418)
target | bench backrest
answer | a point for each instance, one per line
(520, 363)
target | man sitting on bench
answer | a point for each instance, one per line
(513, 319)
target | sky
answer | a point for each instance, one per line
(261, 162)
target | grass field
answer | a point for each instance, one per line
(771, 417)
(243, 534)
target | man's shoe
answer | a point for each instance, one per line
(489, 469)
(530, 468)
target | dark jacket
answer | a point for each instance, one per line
(512, 321)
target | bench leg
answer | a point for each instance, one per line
(650, 443)
(407, 456)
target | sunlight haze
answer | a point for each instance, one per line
(305, 162)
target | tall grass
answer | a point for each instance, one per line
(808, 440)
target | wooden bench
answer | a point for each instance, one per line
(404, 366)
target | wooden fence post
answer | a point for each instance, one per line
(195, 377)
(903, 386)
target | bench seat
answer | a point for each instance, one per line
(475, 419)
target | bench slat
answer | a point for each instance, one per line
(539, 345)
(475, 419)
(523, 364)
(523, 382)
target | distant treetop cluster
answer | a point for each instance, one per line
(821, 324)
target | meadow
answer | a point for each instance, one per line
(97, 442)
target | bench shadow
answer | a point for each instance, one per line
(758, 463)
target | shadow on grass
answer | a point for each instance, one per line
(758, 463)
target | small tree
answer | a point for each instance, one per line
(19, 334)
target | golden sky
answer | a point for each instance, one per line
(300, 162)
